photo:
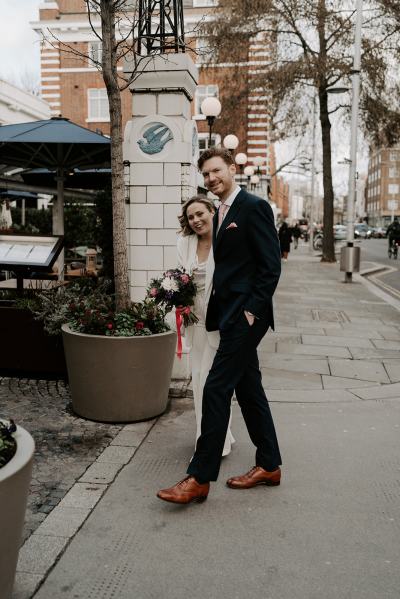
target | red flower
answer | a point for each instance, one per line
(110, 325)
(153, 291)
(139, 325)
(185, 279)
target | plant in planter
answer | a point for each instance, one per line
(8, 445)
(119, 360)
(16, 457)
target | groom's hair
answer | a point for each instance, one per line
(212, 152)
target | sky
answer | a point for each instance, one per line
(19, 44)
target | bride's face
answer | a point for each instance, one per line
(199, 218)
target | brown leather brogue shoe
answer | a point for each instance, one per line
(255, 476)
(186, 491)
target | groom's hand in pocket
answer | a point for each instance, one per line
(250, 317)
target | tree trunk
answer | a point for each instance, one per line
(109, 69)
(328, 243)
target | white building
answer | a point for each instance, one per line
(19, 106)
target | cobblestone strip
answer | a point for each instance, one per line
(44, 547)
(66, 445)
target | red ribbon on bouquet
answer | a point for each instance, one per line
(179, 312)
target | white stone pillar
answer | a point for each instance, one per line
(160, 154)
(160, 144)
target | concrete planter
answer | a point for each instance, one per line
(119, 379)
(15, 478)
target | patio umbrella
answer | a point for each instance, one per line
(98, 178)
(55, 144)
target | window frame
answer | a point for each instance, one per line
(199, 97)
(92, 118)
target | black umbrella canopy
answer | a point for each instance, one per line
(92, 178)
(56, 143)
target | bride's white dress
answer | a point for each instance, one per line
(202, 353)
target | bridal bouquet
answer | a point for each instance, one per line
(175, 289)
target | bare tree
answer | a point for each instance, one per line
(119, 22)
(311, 47)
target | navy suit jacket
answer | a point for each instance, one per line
(247, 263)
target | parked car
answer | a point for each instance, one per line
(362, 231)
(340, 232)
(378, 232)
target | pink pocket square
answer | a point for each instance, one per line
(232, 226)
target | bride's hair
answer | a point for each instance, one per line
(183, 219)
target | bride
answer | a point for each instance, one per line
(196, 257)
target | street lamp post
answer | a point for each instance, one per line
(241, 159)
(313, 174)
(211, 108)
(350, 258)
(230, 142)
(254, 181)
(258, 161)
(249, 172)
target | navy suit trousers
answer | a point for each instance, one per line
(235, 368)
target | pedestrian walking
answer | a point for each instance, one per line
(195, 255)
(296, 234)
(285, 239)
(247, 270)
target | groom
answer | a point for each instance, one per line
(247, 269)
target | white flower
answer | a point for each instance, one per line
(169, 284)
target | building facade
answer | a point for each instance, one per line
(19, 106)
(382, 192)
(74, 88)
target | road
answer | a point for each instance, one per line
(375, 250)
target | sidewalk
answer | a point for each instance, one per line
(331, 530)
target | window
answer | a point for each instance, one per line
(393, 156)
(204, 140)
(393, 188)
(203, 49)
(393, 172)
(203, 92)
(205, 3)
(95, 52)
(98, 105)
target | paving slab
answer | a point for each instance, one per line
(83, 495)
(337, 382)
(314, 536)
(385, 344)
(359, 369)
(63, 521)
(101, 472)
(363, 333)
(40, 552)
(25, 585)
(295, 364)
(313, 350)
(127, 438)
(273, 378)
(311, 396)
(365, 320)
(115, 454)
(393, 370)
(393, 336)
(382, 392)
(337, 341)
(359, 353)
